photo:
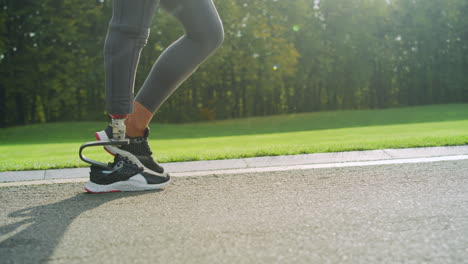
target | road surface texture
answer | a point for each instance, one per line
(405, 213)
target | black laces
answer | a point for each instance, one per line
(126, 162)
(146, 147)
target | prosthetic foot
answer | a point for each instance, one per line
(118, 139)
(124, 176)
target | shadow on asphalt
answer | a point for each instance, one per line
(47, 225)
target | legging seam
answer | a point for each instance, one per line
(121, 14)
(143, 16)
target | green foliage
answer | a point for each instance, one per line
(278, 57)
(51, 68)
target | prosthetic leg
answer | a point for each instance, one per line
(118, 139)
(122, 174)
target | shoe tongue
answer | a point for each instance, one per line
(138, 140)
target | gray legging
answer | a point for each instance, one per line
(128, 34)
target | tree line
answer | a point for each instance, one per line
(278, 56)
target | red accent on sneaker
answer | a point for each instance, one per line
(113, 191)
(99, 138)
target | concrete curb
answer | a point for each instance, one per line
(184, 168)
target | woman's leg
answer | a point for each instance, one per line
(127, 35)
(203, 35)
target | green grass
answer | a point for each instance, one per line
(47, 146)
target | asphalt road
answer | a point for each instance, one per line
(406, 213)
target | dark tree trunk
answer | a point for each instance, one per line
(244, 101)
(3, 106)
(20, 115)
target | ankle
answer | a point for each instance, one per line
(135, 133)
(134, 130)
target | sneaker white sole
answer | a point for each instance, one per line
(102, 136)
(134, 184)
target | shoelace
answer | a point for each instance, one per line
(142, 145)
(146, 147)
(125, 161)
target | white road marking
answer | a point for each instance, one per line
(325, 165)
(264, 169)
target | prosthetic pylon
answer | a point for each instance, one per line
(118, 139)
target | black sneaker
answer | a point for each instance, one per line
(138, 151)
(124, 176)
